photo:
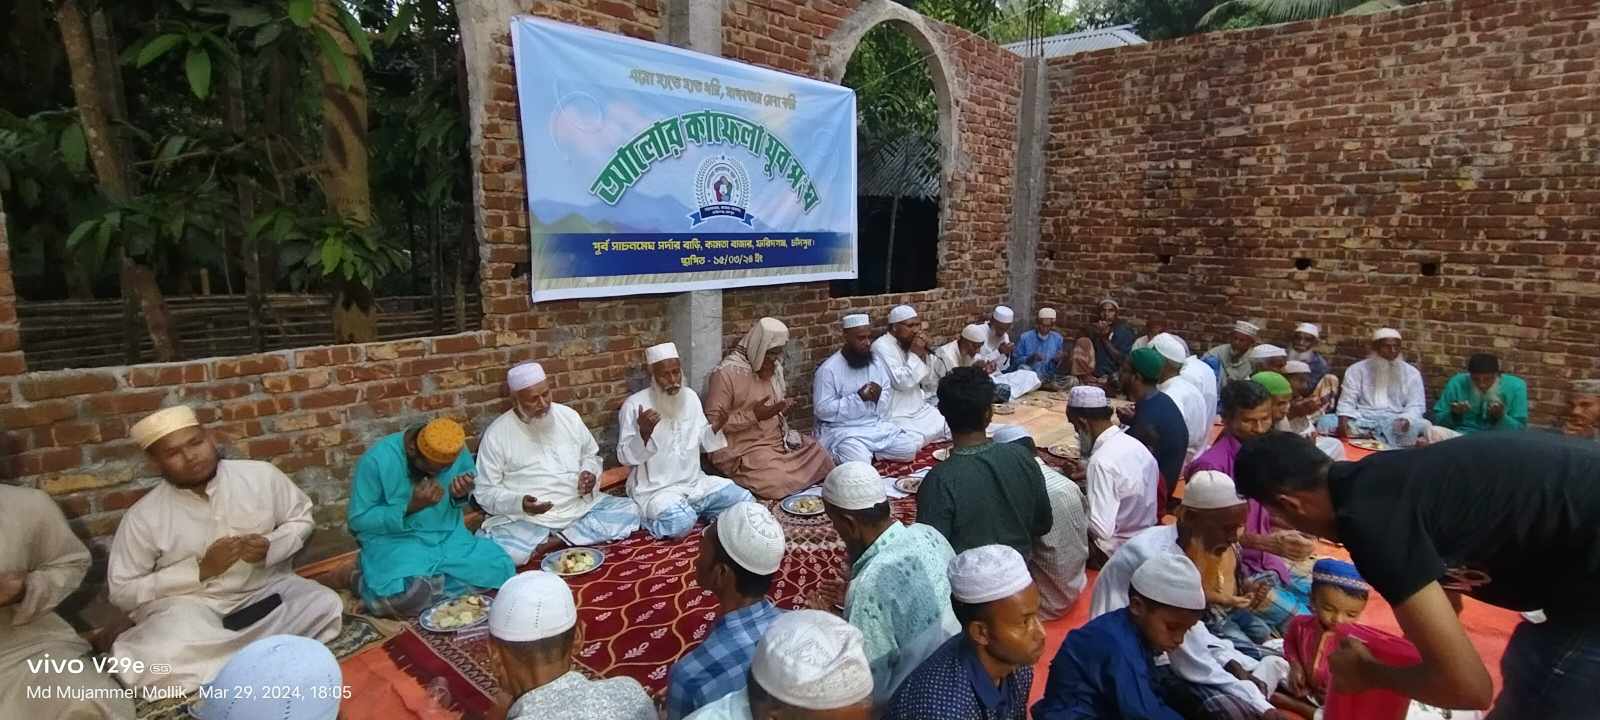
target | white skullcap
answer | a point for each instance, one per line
(812, 660)
(162, 423)
(1296, 367)
(1210, 490)
(988, 573)
(533, 605)
(1170, 579)
(657, 353)
(1170, 347)
(1109, 301)
(855, 321)
(1309, 329)
(853, 486)
(978, 333)
(752, 537)
(901, 313)
(1265, 352)
(1247, 328)
(1047, 313)
(286, 661)
(1087, 396)
(1004, 314)
(525, 375)
(1385, 334)
(1011, 433)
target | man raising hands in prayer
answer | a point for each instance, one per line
(851, 422)
(745, 402)
(903, 351)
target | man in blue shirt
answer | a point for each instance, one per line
(1104, 669)
(1156, 420)
(986, 671)
(739, 555)
(1041, 349)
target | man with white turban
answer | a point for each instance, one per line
(538, 466)
(663, 431)
(1123, 479)
(1232, 357)
(214, 538)
(1059, 556)
(986, 671)
(533, 633)
(847, 397)
(1209, 677)
(1268, 357)
(1192, 385)
(312, 685)
(903, 351)
(1041, 349)
(899, 595)
(960, 352)
(745, 402)
(1383, 396)
(41, 563)
(1303, 347)
(997, 350)
(810, 665)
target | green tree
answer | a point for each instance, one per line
(1251, 13)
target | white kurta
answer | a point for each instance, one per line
(155, 567)
(512, 463)
(35, 539)
(1122, 479)
(906, 398)
(1196, 416)
(1204, 379)
(666, 469)
(852, 428)
(1361, 396)
(1201, 657)
(1022, 381)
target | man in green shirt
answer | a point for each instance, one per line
(987, 493)
(1482, 398)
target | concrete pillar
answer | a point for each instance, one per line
(1028, 192)
(696, 317)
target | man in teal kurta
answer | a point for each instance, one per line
(406, 513)
(1482, 398)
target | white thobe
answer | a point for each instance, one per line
(666, 469)
(1122, 479)
(851, 428)
(513, 463)
(35, 540)
(1204, 379)
(1201, 657)
(154, 574)
(906, 397)
(1021, 381)
(1196, 418)
(1361, 395)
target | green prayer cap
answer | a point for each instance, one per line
(1275, 384)
(1147, 362)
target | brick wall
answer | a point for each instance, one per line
(1188, 177)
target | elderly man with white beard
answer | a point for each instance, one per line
(537, 470)
(997, 351)
(960, 352)
(903, 350)
(1383, 396)
(663, 431)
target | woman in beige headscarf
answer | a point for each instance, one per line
(745, 402)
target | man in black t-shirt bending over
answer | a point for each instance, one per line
(1511, 519)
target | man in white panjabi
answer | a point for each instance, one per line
(903, 350)
(537, 470)
(997, 350)
(1383, 396)
(41, 563)
(847, 392)
(960, 352)
(663, 431)
(216, 537)
(1187, 387)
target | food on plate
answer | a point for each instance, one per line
(460, 612)
(806, 505)
(574, 563)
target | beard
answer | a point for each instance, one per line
(1386, 374)
(542, 426)
(669, 405)
(856, 360)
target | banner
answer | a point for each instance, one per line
(653, 169)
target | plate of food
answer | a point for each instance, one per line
(1063, 451)
(909, 485)
(942, 454)
(1370, 444)
(462, 613)
(572, 561)
(802, 505)
(1004, 408)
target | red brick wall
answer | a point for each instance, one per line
(1187, 177)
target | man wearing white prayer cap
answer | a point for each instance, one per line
(1122, 479)
(851, 392)
(1383, 396)
(1311, 401)
(907, 401)
(215, 537)
(986, 671)
(533, 633)
(1268, 357)
(1210, 523)
(1192, 385)
(995, 356)
(538, 465)
(810, 665)
(1232, 357)
(1212, 677)
(1041, 349)
(740, 553)
(307, 682)
(1303, 347)
(960, 352)
(899, 594)
(662, 432)
(1059, 556)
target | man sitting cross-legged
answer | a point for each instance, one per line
(852, 422)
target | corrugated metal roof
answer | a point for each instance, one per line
(1084, 41)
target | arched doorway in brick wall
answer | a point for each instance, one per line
(905, 143)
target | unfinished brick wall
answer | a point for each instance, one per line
(1187, 178)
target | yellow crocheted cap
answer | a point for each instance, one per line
(440, 441)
